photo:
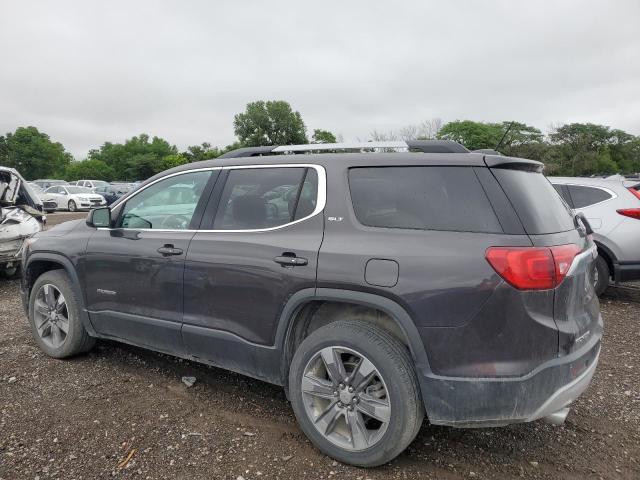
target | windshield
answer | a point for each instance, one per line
(78, 190)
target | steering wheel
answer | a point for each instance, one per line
(175, 221)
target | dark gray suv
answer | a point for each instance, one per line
(376, 286)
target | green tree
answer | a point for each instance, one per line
(269, 123)
(93, 169)
(137, 158)
(323, 136)
(33, 154)
(478, 135)
(587, 148)
(204, 151)
(175, 160)
(473, 135)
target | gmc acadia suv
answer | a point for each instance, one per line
(376, 285)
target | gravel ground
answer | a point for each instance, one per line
(123, 412)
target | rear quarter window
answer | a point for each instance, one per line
(421, 198)
(583, 196)
(537, 203)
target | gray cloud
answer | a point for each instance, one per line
(88, 72)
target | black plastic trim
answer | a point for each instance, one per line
(384, 304)
(628, 271)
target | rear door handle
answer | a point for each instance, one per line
(286, 261)
(169, 250)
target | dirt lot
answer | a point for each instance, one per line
(83, 418)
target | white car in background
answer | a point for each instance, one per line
(72, 198)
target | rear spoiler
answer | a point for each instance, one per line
(513, 163)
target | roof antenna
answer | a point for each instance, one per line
(504, 135)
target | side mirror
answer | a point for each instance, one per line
(99, 218)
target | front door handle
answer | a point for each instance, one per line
(169, 250)
(291, 261)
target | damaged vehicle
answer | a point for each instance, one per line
(377, 288)
(21, 216)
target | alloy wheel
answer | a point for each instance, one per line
(51, 316)
(346, 398)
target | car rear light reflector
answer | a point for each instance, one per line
(532, 268)
(630, 212)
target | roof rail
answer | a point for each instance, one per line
(425, 146)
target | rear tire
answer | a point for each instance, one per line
(601, 282)
(72, 206)
(335, 414)
(50, 335)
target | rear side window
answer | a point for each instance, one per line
(585, 196)
(258, 198)
(421, 198)
(537, 203)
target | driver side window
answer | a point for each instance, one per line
(168, 204)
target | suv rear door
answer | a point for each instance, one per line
(257, 246)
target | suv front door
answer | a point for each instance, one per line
(258, 246)
(134, 271)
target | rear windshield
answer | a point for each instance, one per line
(421, 198)
(537, 203)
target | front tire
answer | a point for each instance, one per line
(602, 274)
(355, 394)
(54, 316)
(72, 206)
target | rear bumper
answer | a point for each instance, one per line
(627, 271)
(488, 402)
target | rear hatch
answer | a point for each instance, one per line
(549, 222)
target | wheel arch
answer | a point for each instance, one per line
(609, 257)
(39, 263)
(302, 306)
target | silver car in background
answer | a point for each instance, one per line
(612, 207)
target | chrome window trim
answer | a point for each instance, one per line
(320, 201)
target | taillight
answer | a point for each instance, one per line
(532, 268)
(630, 212)
(635, 192)
(563, 256)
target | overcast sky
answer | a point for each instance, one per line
(86, 72)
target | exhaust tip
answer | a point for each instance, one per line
(557, 418)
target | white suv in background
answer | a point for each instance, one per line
(612, 207)
(92, 183)
(73, 198)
